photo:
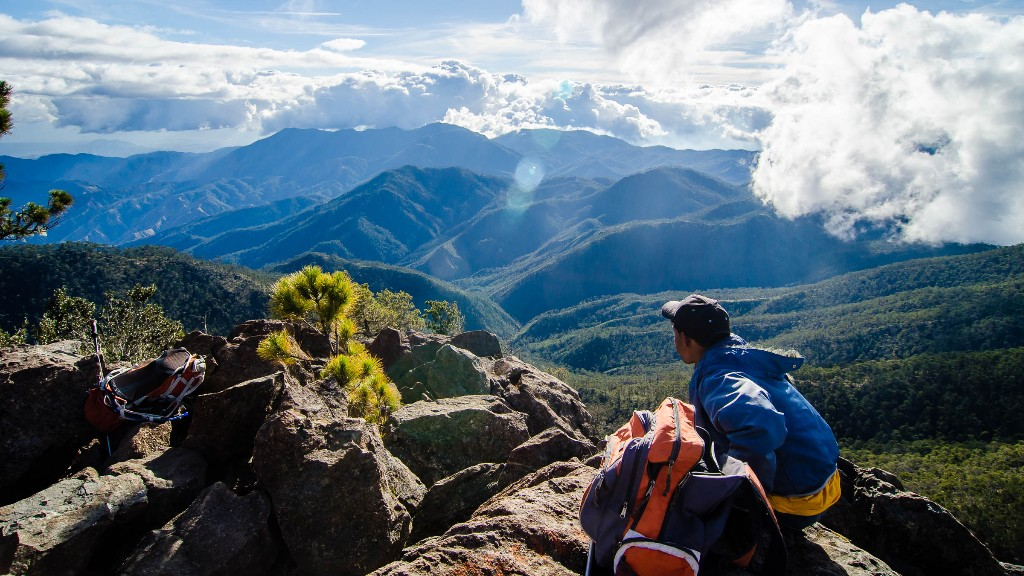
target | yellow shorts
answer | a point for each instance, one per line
(810, 504)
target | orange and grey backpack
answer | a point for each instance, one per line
(148, 392)
(664, 502)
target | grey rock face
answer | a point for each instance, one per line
(454, 499)
(236, 361)
(547, 400)
(173, 478)
(433, 367)
(529, 528)
(551, 445)
(56, 531)
(220, 534)
(245, 405)
(42, 394)
(479, 342)
(438, 439)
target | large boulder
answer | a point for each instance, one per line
(550, 446)
(401, 352)
(173, 478)
(480, 342)
(529, 528)
(42, 427)
(438, 439)
(236, 361)
(452, 372)
(203, 344)
(57, 530)
(547, 400)
(821, 552)
(220, 534)
(225, 423)
(432, 366)
(343, 502)
(912, 534)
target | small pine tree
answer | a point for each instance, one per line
(281, 348)
(313, 296)
(444, 317)
(66, 318)
(135, 330)
(18, 337)
(326, 301)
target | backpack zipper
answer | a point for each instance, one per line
(638, 512)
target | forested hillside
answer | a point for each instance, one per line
(199, 293)
(195, 292)
(947, 304)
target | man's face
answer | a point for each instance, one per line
(687, 348)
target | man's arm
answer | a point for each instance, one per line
(741, 410)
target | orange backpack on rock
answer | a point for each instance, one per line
(663, 502)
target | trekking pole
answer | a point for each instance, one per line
(94, 328)
(590, 557)
(96, 345)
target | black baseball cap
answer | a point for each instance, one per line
(699, 317)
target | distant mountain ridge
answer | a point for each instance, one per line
(121, 200)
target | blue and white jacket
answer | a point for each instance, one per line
(742, 397)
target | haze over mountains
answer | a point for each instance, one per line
(536, 220)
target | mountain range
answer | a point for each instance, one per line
(125, 199)
(535, 220)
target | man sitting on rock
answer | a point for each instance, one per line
(744, 397)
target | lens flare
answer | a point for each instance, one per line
(529, 173)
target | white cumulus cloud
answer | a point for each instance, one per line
(910, 119)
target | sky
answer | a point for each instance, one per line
(904, 114)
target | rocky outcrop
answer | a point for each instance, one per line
(434, 367)
(551, 445)
(454, 499)
(437, 439)
(912, 534)
(545, 399)
(172, 478)
(271, 477)
(479, 342)
(531, 528)
(42, 391)
(246, 405)
(234, 360)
